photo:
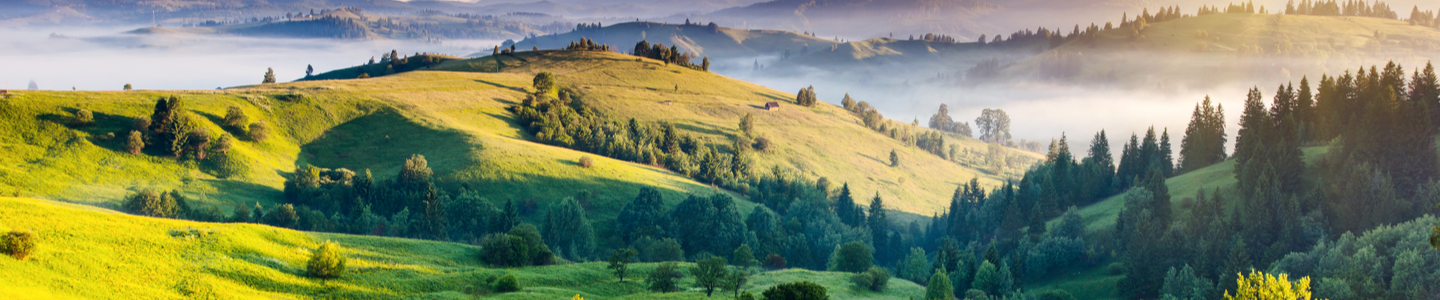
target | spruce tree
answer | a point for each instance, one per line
(269, 76)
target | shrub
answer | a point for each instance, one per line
(326, 261)
(507, 284)
(802, 290)
(774, 262)
(19, 244)
(259, 131)
(522, 246)
(83, 118)
(127, 86)
(1115, 269)
(135, 143)
(363, 76)
(851, 257)
(762, 144)
(152, 203)
(874, 279)
(586, 162)
(235, 119)
(544, 83)
(664, 278)
(1055, 295)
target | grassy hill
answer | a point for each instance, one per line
(721, 42)
(821, 141)
(101, 254)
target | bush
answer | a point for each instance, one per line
(774, 262)
(874, 279)
(19, 244)
(326, 261)
(851, 257)
(259, 131)
(762, 144)
(664, 278)
(135, 143)
(1055, 295)
(802, 290)
(586, 162)
(83, 118)
(152, 203)
(507, 284)
(235, 119)
(522, 246)
(1115, 269)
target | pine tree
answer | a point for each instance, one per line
(269, 76)
(894, 159)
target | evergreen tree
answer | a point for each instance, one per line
(269, 76)
(894, 159)
(845, 207)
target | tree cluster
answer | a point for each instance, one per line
(806, 97)
(586, 44)
(658, 51)
(1205, 137)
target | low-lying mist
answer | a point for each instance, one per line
(88, 58)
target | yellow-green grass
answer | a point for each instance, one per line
(820, 141)
(355, 124)
(1171, 53)
(100, 254)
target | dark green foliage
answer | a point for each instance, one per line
(665, 278)
(1140, 232)
(914, 266)
(712, 224)
(709, 274)
(170, 126)
(127, 87)
(19, 244)
(1184, 284)
(873, 279)
(670, 55)
(569, 230)
(507, 283)
(852, 257)
(1141, 156)
(705, 64)
(326, 261)
(743, 257)
(747, 124)
(522, 246)
(1205, 137)
(269, 76)
(1054, 295)
(845, 208)
(802, 290)
(620, 262)
(642, 217)
(894, 159)
(654, 250)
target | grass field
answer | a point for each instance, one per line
(100, 254)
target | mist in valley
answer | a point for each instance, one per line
(95, 58)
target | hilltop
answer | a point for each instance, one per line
(97, 253)
(716, 42)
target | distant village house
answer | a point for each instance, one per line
(772, 106)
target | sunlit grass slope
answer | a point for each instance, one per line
(100, 254)
(821, 141)
(455, 119)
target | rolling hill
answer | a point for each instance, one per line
(101, 254)
(718, 43)
(459, 120)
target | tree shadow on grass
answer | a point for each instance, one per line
(383, 141)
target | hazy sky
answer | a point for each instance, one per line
(105, 59)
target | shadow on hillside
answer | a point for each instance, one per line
(703, 128)
(383, 141)
(517, 89)
(235, 192)
(876, 159)
(772, 97)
